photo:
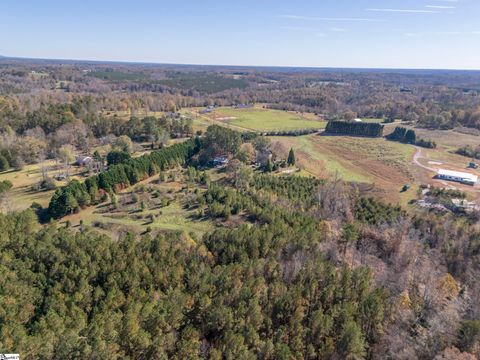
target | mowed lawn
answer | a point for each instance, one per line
(259, 119)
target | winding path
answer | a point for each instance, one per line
(418, 155)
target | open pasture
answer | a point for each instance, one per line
(152, 205)
(260, 119)
(23, 193)
(385, 164)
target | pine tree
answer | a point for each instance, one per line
(352, 343)
(3, 164)
(410, 137)
(269, 166)
(291, 158)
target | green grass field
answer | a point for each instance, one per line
(21, 196)
(259, 119)
(174, 215)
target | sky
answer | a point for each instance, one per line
(428, 34)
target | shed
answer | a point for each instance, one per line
(83, 160)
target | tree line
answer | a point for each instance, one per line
(354, 128)
(408, 136)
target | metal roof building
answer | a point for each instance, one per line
(464, 178)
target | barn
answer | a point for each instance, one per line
(461, 177)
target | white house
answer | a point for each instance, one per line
(461, 177)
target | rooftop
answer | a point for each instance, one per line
(458, 174)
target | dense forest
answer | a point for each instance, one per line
(280, 286)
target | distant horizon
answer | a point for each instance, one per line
(160, 63)
(367, 34)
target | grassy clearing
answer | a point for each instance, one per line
(158, 206)
(21, 196)
(383, 163)
(319, 163)
(259, 119)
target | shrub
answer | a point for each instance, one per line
(4, 165)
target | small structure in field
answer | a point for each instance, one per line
(83, 160)
(457, 176)
(243, 106)
(473, 165)
(61, 177)
(220, 160)
(207, 110)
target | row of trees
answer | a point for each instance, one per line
(76, 195)
(469, 151)
(403, 135)
(408, 136)
(354, 128)
(299, 132)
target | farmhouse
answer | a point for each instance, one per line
(461, 177)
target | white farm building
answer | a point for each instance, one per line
(461, 177)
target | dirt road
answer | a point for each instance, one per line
(418, 155)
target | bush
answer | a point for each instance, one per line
(46, 184)
(5, 186)
(4, 165)
(469, 334)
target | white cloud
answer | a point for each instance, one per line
(313, 18)
(434, 33)
(441, 7)
(409, 11)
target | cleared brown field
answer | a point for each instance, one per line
(386, 165)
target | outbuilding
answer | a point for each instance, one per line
(461, 177)
(83, 160)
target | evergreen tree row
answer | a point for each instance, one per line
(299, 132)
(403, 135)
(409, 136)
(76, 195)
(354, 128)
